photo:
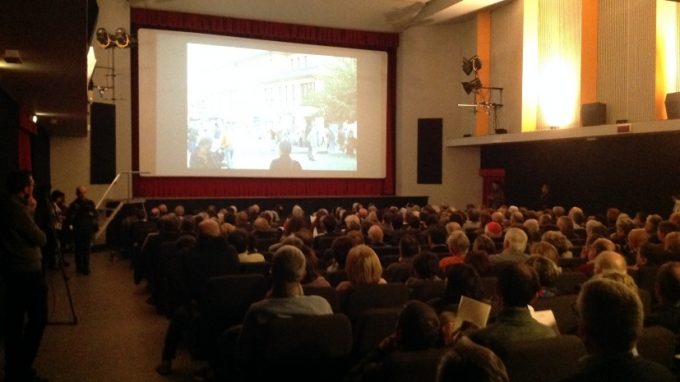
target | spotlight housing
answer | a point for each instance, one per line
(471, 64)
(472, 86)
(104, 38)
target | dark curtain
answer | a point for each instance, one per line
(203, 187)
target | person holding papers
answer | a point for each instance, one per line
(518, 286)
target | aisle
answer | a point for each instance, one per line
(118, 336)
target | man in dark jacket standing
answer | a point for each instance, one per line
(82, 215)
(25, 310)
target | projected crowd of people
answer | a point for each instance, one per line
(218, 144)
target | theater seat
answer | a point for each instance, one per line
(303, 348)
(359, 298)
(546, 360)
(657, 344)
(421, 366)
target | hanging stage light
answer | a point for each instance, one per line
(471, 64)
(472, 86)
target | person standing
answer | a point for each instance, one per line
(25, 310)
(82, 217)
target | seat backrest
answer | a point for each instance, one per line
(570, 282)
(645, 278)
(304, 348)
(545, 360)
(403, 366)
(489, 284)
(571, 263)
(657, 344)
(359, 298)
(426, 290)
(370, 327)
(329, 293)
(256, 267)
(563, 309)
(227, 298)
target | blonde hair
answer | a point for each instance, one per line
(363, 265)
(545, 249)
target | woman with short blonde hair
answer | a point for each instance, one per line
(362, 267)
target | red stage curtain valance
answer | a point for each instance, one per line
(217, 187)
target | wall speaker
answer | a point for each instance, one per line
(593, 114)
(673, 105)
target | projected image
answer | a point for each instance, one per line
(252, 109)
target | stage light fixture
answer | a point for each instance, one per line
(122, 38)
(472, 86)
(104, 38)
(471, 64)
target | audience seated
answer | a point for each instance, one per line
(547, 272)
(417, 330)
(667, 313)
(400, 271)
(518, 285)
(362, 267)
(514, 245)
(467, 361)
(458, 245)
(611, 321)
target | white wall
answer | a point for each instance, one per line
(428, 77)
(70, 162)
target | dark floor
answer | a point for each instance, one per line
(118, 336)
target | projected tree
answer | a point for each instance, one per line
(337, 102)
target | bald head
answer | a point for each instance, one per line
(610, 262)
(209, 227)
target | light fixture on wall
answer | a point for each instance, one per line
(471, 64)
(472, 86)
(120, 39)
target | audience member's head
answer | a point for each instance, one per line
(600, 245)
(209, 227)
(287, 270)
(610, 262)
(611, 316)
(518, 285)
(340, 248)
(458, 243)
(546, 269)
(559, 240)
(668, 283)
(515, 240)
(484, 243)
(363, 265)
(467, 361)
(545, 249)
(493, 229)
(672, 242)
(375, 234)
(409, 246)
(417, 326)
(425, 266)
(462, 280)
(637, 237)
(239, 239)
(437, 234)
(480, 261)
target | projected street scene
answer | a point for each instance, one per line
(252, 109)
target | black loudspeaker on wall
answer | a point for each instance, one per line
(673, 105)
(593, 114)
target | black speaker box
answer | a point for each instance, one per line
(593, 114)
(673, 105)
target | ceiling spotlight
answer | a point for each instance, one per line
(472, 86)
(104, 38)
(122, 38)
(471, 64)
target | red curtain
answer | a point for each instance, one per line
(217, 187)
(26, 129)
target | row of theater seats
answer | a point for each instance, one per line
(307, 347)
